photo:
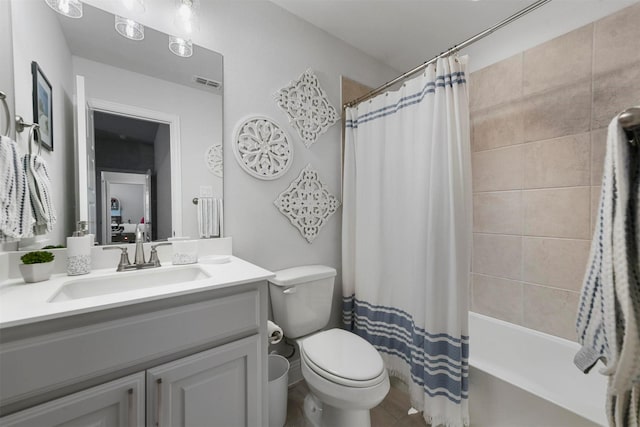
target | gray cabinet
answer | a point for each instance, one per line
(218, 387)
(204, 356)
(116, 403)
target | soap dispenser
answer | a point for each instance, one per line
(79, 251)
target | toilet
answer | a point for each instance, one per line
(345, 373)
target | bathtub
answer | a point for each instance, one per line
(522, 377)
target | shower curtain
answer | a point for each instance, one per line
(406, 235)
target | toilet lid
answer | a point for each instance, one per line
(343, 354)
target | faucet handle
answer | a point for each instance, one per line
(153, 258)
(124, 256)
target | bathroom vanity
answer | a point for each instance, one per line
(185, 353)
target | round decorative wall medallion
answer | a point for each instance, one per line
(213, 159)
(262, 148)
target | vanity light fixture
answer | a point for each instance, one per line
(129, 28)
(186, 17)
(68, 8)
(181, 47)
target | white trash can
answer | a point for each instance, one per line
(278, 389)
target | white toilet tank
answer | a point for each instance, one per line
(301, 298)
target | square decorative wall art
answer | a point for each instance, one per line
(306, 105)
(307, 203)
(42, 105)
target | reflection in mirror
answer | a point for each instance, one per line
(126, 202)
(131, 145)
(182, 97)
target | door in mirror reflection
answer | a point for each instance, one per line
(132, 158)
(125, 206)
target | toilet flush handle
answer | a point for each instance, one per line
(291, 290)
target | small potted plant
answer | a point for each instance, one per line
(36, 266)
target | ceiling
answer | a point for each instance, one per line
(406, 33)
(402, 33)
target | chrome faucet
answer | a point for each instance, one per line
(139, 255)
(139, 261)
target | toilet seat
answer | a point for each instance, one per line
(343, 358)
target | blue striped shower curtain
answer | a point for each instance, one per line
(406, 238)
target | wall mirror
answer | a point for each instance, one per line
(135, 108)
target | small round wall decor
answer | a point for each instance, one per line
(262, 148)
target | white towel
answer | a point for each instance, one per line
(220, 221)
(208, 217)
(609, 310)
(16, 218)
(40, 191)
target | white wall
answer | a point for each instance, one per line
(54, 59)
(264, 49)
(199, 113)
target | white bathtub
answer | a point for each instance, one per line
(522, 377)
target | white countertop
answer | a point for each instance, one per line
(22, 304)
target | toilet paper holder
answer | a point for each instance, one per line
(274, 332)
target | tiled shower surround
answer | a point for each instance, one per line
(539, 124)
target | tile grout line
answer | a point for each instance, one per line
(524, 282)
(538, 141)
(513, 190)
(533, 235)
(525, 236)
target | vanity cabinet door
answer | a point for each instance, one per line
(116, 403)
(218, 387)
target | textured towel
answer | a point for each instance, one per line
(609, 310)
(208, 217)
(16, 218)
(40, 191)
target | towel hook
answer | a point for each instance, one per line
(21, 124)
(7, 114)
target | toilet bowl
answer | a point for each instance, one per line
(345, 373)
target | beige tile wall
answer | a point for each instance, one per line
(538, 139)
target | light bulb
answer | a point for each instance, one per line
(129, 28)
(185, 11)
(186, 17)
(134, 7)
(64, 6)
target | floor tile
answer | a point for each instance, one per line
(392, 412)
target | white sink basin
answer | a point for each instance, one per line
(126, 281)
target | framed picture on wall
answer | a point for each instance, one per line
(42, 105)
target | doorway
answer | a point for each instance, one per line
(132, 158)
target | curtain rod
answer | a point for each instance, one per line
(448, 52)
